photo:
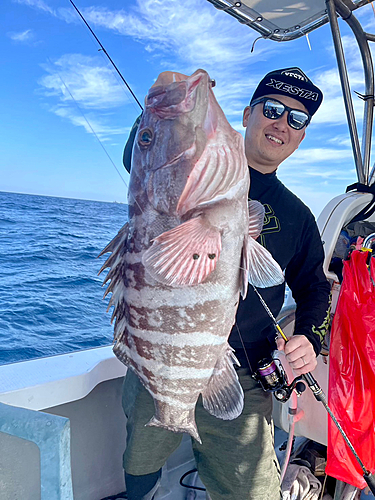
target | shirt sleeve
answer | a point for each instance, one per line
(127, 156)
(310, 288)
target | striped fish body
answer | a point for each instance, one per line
(178, 266)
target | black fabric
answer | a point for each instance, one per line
(127, 156)
(291, 82)
(142, 487)
(291, 235)
(369, 209)
(361, 188)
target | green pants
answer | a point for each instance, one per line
(236, 460)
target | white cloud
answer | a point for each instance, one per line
(183, 41)
(38, 4)
(341, 140)
(91, 83)
(23, 36)
(92, 123)
(171, 32)
(318, 155)
(86, 91)
(172, 28)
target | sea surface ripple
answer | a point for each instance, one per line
(50, 293)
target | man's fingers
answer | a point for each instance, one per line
(280, 344)
(300, 354)
(309, 367)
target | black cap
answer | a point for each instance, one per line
(291, 82)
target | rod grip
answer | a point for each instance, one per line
(370, 480)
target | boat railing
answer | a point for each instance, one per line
(51, 434)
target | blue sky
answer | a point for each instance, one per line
(48, 56)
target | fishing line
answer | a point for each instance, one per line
(106, 53)
(244, 348)
(97, 137)
(93, 131)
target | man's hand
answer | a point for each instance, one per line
(299, 353)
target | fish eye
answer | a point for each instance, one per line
(145, 137)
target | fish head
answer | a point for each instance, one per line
(175, 127)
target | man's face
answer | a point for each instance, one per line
(269, 142)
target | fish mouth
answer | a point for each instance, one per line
(155, 92)
(171, 99)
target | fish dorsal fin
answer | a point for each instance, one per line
(221, 166)
(117, 247)
(117, 264)
(223, 397)
(185, 255)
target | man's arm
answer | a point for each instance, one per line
(127, 156)
(311, 291)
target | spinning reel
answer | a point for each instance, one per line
(272, 377)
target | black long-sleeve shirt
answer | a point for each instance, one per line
(291, 235)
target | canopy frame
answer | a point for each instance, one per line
(245, 14)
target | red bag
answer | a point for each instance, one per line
(352, 373)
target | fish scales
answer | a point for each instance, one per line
(177, 268)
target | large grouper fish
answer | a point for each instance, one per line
(178, 266)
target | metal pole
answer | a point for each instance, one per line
(331, 10)
(362, 40)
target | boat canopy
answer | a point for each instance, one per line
(290, 19)
(282, 20)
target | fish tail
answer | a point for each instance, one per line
(189, 428)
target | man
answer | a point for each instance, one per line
(237, 460)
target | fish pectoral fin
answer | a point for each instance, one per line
(185, 255)
(257, 265)
(223, 397)
(256, 218)
(263, 270)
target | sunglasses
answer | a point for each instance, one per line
(274, 109)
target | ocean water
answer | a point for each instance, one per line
(50, 293)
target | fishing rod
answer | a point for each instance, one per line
(106, 53)
(321, 397)
(85, 118)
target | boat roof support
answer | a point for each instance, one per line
(361, 158)
(362, 40)
(331, 10)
